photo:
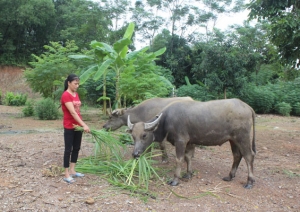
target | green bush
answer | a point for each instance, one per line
(296, 109)
(12, 99)
(46, 109)
(194, 91)
(0, 97)
(28, 110)
(260, 98)
(283, 108)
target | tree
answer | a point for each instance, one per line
(115, 58)
(24, 26)
(147, 22)
(81, 21)
(284, 29)
(179, 60)
(49, 67)
(225, 63)
(144, 81)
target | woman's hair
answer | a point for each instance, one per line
(70, 78)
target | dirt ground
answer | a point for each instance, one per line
(28, 147)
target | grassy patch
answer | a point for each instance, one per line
(290, 173)
(109, 162)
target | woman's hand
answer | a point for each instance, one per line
(86, 128)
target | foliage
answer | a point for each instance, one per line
(260, 98)
(296, 109)
(283, 108)
(177, 57)
(12, 99)
(194, 91)
(81, 21)
(268, 73)
(28, 110)
(0, 97)
(144, 82)
(46, 109)
(25, 28)
(49, 67)
(117, 59)
(284, 29)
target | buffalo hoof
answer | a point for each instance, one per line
(173, 183)
(165, 160)
(227, 178)
(248, 186)
(187, 176)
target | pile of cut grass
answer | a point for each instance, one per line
(108, 161)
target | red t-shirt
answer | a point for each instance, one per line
(68, 119)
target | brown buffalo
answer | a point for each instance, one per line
(212, 123)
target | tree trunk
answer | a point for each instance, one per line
(104, 95)
(224, 90)
(118, 98)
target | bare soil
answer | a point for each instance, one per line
(29, 148)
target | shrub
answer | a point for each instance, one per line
(296, 109)
(12, 99)
(28, 110)
(194, 91)
(260, 98)
(46, 109)
(283, 108)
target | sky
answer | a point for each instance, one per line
(226, 20)
(223, 22)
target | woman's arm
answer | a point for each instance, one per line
(71, 108)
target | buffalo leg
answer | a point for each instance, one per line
(189, 153)
(162, 146)
(248, 155)
(180, 150)
(237, 156)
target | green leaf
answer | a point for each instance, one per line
(108, 48)
(129, 31)
(124, 52)
(119, 62)
(120, 44)
(160, 52)
(87, 73)
(103, 68)
(82, 56)
(134, 54)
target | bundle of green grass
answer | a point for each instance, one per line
(109, 162)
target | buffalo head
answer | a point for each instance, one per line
(142, 134)
(115, 121)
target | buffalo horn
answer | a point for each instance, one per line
(129, 124)
(152, 124)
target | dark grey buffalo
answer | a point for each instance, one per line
(212, 123)
(142, 112)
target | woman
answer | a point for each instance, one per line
(70, 104)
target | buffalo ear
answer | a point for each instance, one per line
(128, 131)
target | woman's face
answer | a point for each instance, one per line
(73, 85)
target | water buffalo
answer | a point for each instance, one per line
(211, 123)
(142, 112)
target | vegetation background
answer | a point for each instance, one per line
(183, 52)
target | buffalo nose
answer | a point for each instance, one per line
(135, 155)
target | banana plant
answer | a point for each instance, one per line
(113, 58)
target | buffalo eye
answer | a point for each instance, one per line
(144, 135)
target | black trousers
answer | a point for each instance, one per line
(72, 146)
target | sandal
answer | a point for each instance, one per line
(77, 175)
(69, 180)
